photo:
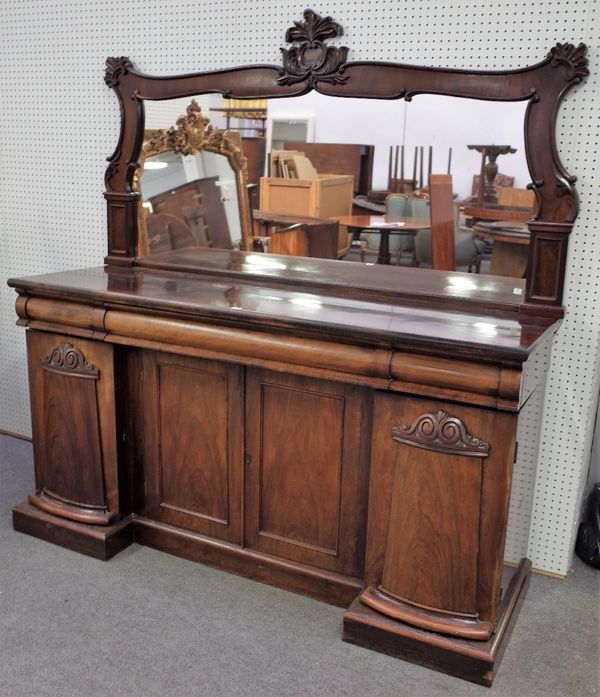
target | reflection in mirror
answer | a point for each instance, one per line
(192, 180)
(360, 192)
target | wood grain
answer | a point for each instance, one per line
(306, 495)
(193, 446)
(74, 428)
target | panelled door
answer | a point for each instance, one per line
(193, 443)
(306, 469)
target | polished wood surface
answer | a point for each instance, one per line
(76, 468)
(476, 661)
(407, 287)
(307, 470)
(442, 225)
(193, 444)
(259, 307)
(461, 496)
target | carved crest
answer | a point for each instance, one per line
(574, 57)
(115, 67)
(192, 134)
(311, 60)
(441, 433)
(68, 359)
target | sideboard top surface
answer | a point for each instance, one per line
(233, 302)
(406, 285)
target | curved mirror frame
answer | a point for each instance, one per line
(192, 135)
(312, 65)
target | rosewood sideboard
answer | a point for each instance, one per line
(342, 430)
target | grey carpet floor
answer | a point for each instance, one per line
(147, 624)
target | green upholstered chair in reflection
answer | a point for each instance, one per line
(402, 206)
(468, 251)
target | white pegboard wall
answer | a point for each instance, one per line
(60, 122)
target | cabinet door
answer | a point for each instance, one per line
(306, 477)
(440, 485)
(74, 430)
(193, 447)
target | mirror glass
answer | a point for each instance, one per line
(328, 194)
(199, 191)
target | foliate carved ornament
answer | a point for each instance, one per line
(192, 134)
(574, 57)
(70, 360)
(311, 60)
(115, 67)
(441, 433)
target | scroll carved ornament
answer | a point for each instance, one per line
(441, 433)
(70, 360)
(574, 57)
(312, 60)
(115, 67)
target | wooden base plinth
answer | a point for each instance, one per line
(476, 661)
(326, 586)
(99, 541)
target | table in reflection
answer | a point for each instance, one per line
(511, 246)
(384, 225)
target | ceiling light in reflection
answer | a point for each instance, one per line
(461, 284)
(486, 328)
(307, 302)
(262, 261)
(155, 165)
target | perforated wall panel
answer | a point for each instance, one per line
(59, 123)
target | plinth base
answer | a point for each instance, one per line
(476, 661)
(99, 541)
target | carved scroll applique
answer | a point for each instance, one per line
(312, 60)
(68, 359)
(441, 433)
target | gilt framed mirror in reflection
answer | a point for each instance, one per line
(508, 209)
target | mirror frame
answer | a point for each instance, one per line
(193, 134)
(312, 65)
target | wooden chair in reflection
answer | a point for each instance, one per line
(294, 235)
(447, 246)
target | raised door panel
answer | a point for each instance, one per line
(306, 492)
(438, 505)
(74, 427)
(193, 444)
